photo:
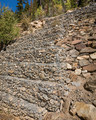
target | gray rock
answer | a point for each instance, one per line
(74, 53)
(77, 84)
(80, 46)
(45, 97)
(83, 62)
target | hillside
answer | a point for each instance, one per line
(42, 75)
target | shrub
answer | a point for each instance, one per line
(68, 5)
(8, 29)
(25, 22)
(58, 9)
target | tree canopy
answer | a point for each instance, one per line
(43, 8)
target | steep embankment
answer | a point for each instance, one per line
(47, 70)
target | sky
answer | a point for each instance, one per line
(11, 3)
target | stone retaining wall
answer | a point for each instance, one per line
(38, 71)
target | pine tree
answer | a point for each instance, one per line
(26, 6)
(52, 7)
(38, 2)
(20, 7)
(47, 7)
(0, 9)
(30, 8)
(82, 3)
(73, 3)
(34, 8)
(63, 5)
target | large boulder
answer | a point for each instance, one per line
(54, 116)
(86, 111)
(58, 116)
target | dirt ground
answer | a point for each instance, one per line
(6, 116)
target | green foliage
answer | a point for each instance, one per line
(26, 9)
(3, 9)
(38, 9)
(8, 29)
(40, 13)
(34, 9)
(43, 8)
(68, 5)
(63, 5)
(57, 1)
(47, 5)
(58, 9)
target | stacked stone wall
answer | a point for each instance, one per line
(38, 71)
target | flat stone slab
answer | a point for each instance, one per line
(90, 68)
(83, 57)
(76, 42)
(83, 62)
(88, 50)
(92, 38)
(80, 46)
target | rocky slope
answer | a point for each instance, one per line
(50, 70)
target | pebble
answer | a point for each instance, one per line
(69, 66)
(78, 71)
(77, 84)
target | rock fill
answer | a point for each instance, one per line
(40, 70)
